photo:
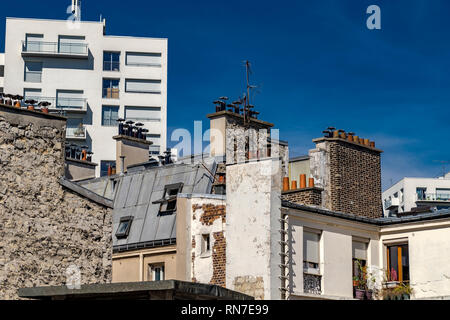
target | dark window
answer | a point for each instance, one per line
(421, 193)
(398, 263)
(169, 201)
(110, 114)
(124, 227)
(111, 88)
(2, 71)
(106, 166)
(206, 243)
(111, 61)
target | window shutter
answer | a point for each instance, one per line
(144, 59)
(359, 250)
(143, 113)
(311, 247)
(145, 86)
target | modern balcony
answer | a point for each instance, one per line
(391, 203)
(75, 105)
(433, 197)
(55, 49)
(76, 133)
(312, 283)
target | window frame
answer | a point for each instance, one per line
(400, 273)
(164, 202)
(144, 80)
(152, 271)
(113, 123)
(33, 72)
(111, 61)
(126, 232)
(308, 266)
(205, 244)
(110, 86)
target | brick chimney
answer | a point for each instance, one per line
(348, 169)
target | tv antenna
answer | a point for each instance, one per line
(248, 113)
(444, 166)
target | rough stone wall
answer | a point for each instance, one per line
(45, 230)
(350, 175)
(208, 217)
(253, 286)
(308, 196)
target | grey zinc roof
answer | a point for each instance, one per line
(136, 193)
(438, 214)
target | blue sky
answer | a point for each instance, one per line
(315, 62)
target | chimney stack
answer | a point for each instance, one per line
(348, 168)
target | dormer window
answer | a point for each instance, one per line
(169, 200)
(124, 227)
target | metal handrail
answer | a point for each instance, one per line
(55, 47)
(433, 197)
(57, 103)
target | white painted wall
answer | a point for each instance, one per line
(253, 210)
(429, 254)
(87, 75)
(409, 186)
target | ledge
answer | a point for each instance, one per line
(31, 112)
(302, 190)
(81, 162)
(86, 193)
(238, 116)
(348, 142)
(124, 137)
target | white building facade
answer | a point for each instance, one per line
(410, 193)
(91, 78)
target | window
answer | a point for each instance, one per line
(34, 94)
(143, 114)
(168, 203)
(2, 71)
(155, 148)
(442, 194)
(206, 243)
(398, 263)
(111, 61)
(359, 256)
(402, 196)
(70, 99)
(33, 43)
(110, 114)
(143, 59)
(421, 193)
(156, 272)
(33, 71)
(72, 45)
(124, 227)
(142, 86)
(105, 166)
(111, 88)
(311, 252)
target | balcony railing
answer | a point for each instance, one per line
(55, 48)
(312, 283)
(433, 197)
(389, 203)
(111, 66)
(63, 104)
(78, 133)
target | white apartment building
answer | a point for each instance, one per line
(410, 193)
(91, 78)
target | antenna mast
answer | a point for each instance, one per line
(247, 105)
(76, 9)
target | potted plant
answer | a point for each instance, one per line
(360, 281)
(402, 292)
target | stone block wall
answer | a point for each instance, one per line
(307, 196)
(47, 232)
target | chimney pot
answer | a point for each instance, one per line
(311, 182)
(294, 185)
(302, 181)
(285, 184)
